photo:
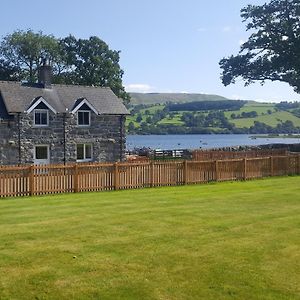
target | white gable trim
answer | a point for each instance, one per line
(84, 101)
(40, 100)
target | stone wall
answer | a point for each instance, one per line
(106, 134)
(9, 142)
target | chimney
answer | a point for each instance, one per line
(45, 75)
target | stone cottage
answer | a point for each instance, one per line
(44, 123)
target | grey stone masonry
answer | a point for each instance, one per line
(19, 137)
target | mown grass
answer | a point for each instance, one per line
(218, 241)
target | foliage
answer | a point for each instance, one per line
(74, 61)
(284, 105)
(250, 114)
(22, 53)
(91, 62)
(272, 51)
(214, 241)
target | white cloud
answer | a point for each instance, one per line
(139, 88)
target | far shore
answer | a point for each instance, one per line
(274, 136)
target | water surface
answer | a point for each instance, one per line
(196, 141)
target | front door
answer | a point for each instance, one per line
(41, 155)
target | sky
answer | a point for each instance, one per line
(166, 45)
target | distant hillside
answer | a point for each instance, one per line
(153, 98)
(222, 116)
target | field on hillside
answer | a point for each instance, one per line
(157, 118)
(235, 240)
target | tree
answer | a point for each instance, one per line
(139, 118)
(74, 61)
(22, 53)
(91, 62)
(272, 51)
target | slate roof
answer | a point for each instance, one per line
(18, 97)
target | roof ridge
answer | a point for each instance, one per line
(58, 84)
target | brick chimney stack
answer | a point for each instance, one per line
(45, 75)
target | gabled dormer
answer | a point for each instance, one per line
(40, 108)
(83, 110)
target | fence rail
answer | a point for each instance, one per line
(51, 179)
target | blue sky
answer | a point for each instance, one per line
(166, 46)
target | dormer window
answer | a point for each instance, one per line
(41, 117)
(40, 109)
(83, 117)
(83, 110)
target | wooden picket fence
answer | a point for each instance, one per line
(51, 179)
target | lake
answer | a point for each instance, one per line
(196, 141)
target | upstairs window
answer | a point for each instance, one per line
(84, 118)
(84, 152)
(41, 117)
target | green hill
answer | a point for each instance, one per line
(160, 98)
(207, 117)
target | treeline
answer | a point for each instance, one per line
(257, 128)
(208, 105)
(284, 105)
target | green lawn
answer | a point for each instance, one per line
(236, 240)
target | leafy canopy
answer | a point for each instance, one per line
(74, 61)
(272, 51)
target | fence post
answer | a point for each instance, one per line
(31, 180)
(116, 176)
(185, 170)
(217, 170)
(151, 174)
(245, 168)
(298, 164)
(271, 166)
(75, 178)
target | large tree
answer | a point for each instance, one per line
(91, 62)
(22, 53)
(272, 51)
(74, 61)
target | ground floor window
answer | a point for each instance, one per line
(84, 152)
(41, 154)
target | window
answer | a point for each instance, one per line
(84, 118)
(84, 152)
(41, 117)
(41, 154)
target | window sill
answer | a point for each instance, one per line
(84, 160)
(40, 126)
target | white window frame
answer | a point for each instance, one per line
(84, 111)
(40, 111)
(48, 152)
(84, 152)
